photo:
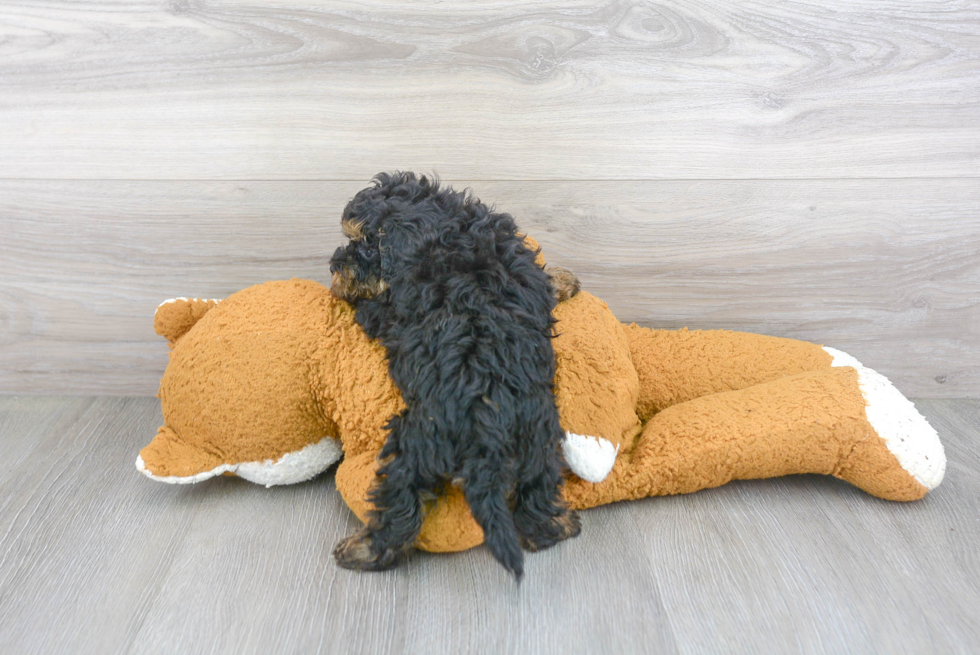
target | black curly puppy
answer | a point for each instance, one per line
(449, 288)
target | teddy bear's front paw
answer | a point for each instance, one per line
(590, 458)
(357, 552)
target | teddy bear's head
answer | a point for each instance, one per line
(276, 382)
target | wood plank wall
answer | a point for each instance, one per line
(804, 169)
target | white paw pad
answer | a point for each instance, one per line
(590, 458)
(906, 433)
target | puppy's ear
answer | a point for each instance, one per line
(399, 241)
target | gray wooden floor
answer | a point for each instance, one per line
(94, 558)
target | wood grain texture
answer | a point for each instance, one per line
(94, 558)
(886, 270)
(619, 89)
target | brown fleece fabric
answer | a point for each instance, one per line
(532, 244)
(448, 527)
(676, 366)
(173, 319)
(812, 422)
(281, 365)
(596, 384)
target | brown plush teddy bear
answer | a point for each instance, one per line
(277, 382)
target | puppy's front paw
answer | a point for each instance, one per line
(564, 282)
(357, 553)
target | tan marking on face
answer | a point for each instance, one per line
(344, 286)
(353, 230)
(375, 286)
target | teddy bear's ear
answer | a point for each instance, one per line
(169, 459)
(176, 316)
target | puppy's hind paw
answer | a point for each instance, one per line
(357, 553)
(564, 526)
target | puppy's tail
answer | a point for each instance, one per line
(489, 507)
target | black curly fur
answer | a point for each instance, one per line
(449, 288)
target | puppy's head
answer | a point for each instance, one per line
(382, 222)
(356, 268)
